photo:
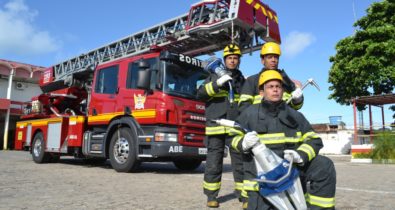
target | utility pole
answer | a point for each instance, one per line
(7, 116)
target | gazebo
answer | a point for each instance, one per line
(375, 100)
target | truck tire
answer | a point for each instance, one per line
(38, 149)
(122, 150)
(187, 164)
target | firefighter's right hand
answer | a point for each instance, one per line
(297, 95)
(222, 80)
(292, 156)
(249, 140)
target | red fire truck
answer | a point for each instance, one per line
(134, 100)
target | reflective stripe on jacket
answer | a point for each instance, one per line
(217, 101)
(281, 129)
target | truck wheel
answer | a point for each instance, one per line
(122, 151)
(38, 149)
(187, 164)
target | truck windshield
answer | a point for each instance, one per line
(183, 81)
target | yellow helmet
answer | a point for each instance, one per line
(269, 75)
(271, 48)
(231, 49)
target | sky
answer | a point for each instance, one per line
(45, 32)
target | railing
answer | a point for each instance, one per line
(366, 135)
(16, 107)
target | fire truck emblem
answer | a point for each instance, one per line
(139, 101)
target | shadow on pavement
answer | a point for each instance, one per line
(146, 167)
(227, 197)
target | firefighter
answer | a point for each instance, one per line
(215, 91)
(270, 55)
(286, 132)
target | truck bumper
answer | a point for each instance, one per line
(171, 150)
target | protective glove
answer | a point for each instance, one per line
(288, 154)
(249, 140)
(222, 80)
(297, 95)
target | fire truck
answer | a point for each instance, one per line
(134, 100)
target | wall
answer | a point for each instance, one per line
(24, 94)
(338, 142)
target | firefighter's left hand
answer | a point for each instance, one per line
(225, 78)
(288, 154)
(297, 95)
(249, 140)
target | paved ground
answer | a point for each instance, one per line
(71, 184)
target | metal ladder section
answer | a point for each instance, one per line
(135, 44)
(175, 35)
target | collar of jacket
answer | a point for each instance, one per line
(235, 73)
(281, 111)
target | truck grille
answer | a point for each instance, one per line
(193, 118)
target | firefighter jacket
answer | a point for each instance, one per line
(250, 91)
(217, 100)
(279, 127)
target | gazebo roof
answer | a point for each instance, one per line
(376, 100)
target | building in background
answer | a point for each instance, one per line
(336, 138)
(18, 83)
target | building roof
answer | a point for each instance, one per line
(22, 70)
(376, 99)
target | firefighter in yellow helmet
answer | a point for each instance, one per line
(270, 55)
(216, 91)
(231, 49)
(288, 134)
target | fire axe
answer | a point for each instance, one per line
(308, 82)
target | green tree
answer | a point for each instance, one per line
(364, 63)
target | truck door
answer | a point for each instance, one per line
(104, 91)
(130, 98)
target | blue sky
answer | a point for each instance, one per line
(44, 32)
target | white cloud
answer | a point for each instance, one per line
(18, 34)
(295, 42)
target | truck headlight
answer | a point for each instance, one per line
(172, 137)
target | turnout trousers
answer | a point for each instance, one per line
(319, 185)
(214, 165)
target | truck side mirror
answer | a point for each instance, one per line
(143, 64)
(144, 79)
(144, 76)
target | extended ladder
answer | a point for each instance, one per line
(207, 28)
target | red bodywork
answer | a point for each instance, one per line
(252, 14)
(263, 15)
(159, 109)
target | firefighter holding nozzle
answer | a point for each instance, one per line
(288, 134)
(221, 91)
